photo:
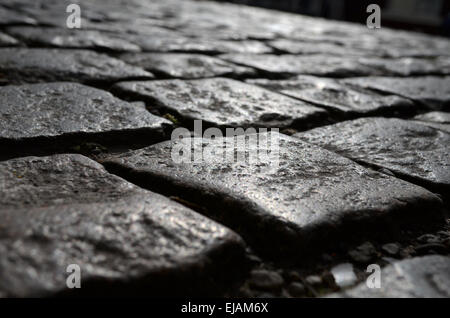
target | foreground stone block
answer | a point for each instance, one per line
(66, 209)
(330, 93)
(427, 276)
(299, 198)
(223, 102)
(181, 65)
(71, 38)
(433, 92)
(25, 65)
(65, 109)
(319, 65)
(409, 149)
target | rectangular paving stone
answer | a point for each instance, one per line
(27, 65)
(431, 91)
(330, 93)
(298, 198)
(71, 38)
(34, 111)
(223, 102)
(419, 277)
(317, 64)
(406, 148)
(179, 65)
(66, 209)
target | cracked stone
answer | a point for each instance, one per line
(59, 109)
(71, 38)
(66, 209)
(330, 93)
(284, 201)
(181, 65)
(420, 277)
(433, 92)
(408, 149)
(26, 65)
(320, 65)
(224, 102)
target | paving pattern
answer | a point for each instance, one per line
(360, 173)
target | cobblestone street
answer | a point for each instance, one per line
(87, 174)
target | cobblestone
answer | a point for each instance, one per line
(20, 65)
(58, 109)
(70, 38)
(406, 148)
(288, 65)
(347, 188)
(330, 93)
(67, 209)
(288, 206)
(224, 102)
(433, 92)
(179, 65)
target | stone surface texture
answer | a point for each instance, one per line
(71, 38)
(98, 168)
(56, 109)
(438, 120)
(330, 93)
(223, 102)
(66, 209)
(433, 92)
(288, 65)
(309, 191)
